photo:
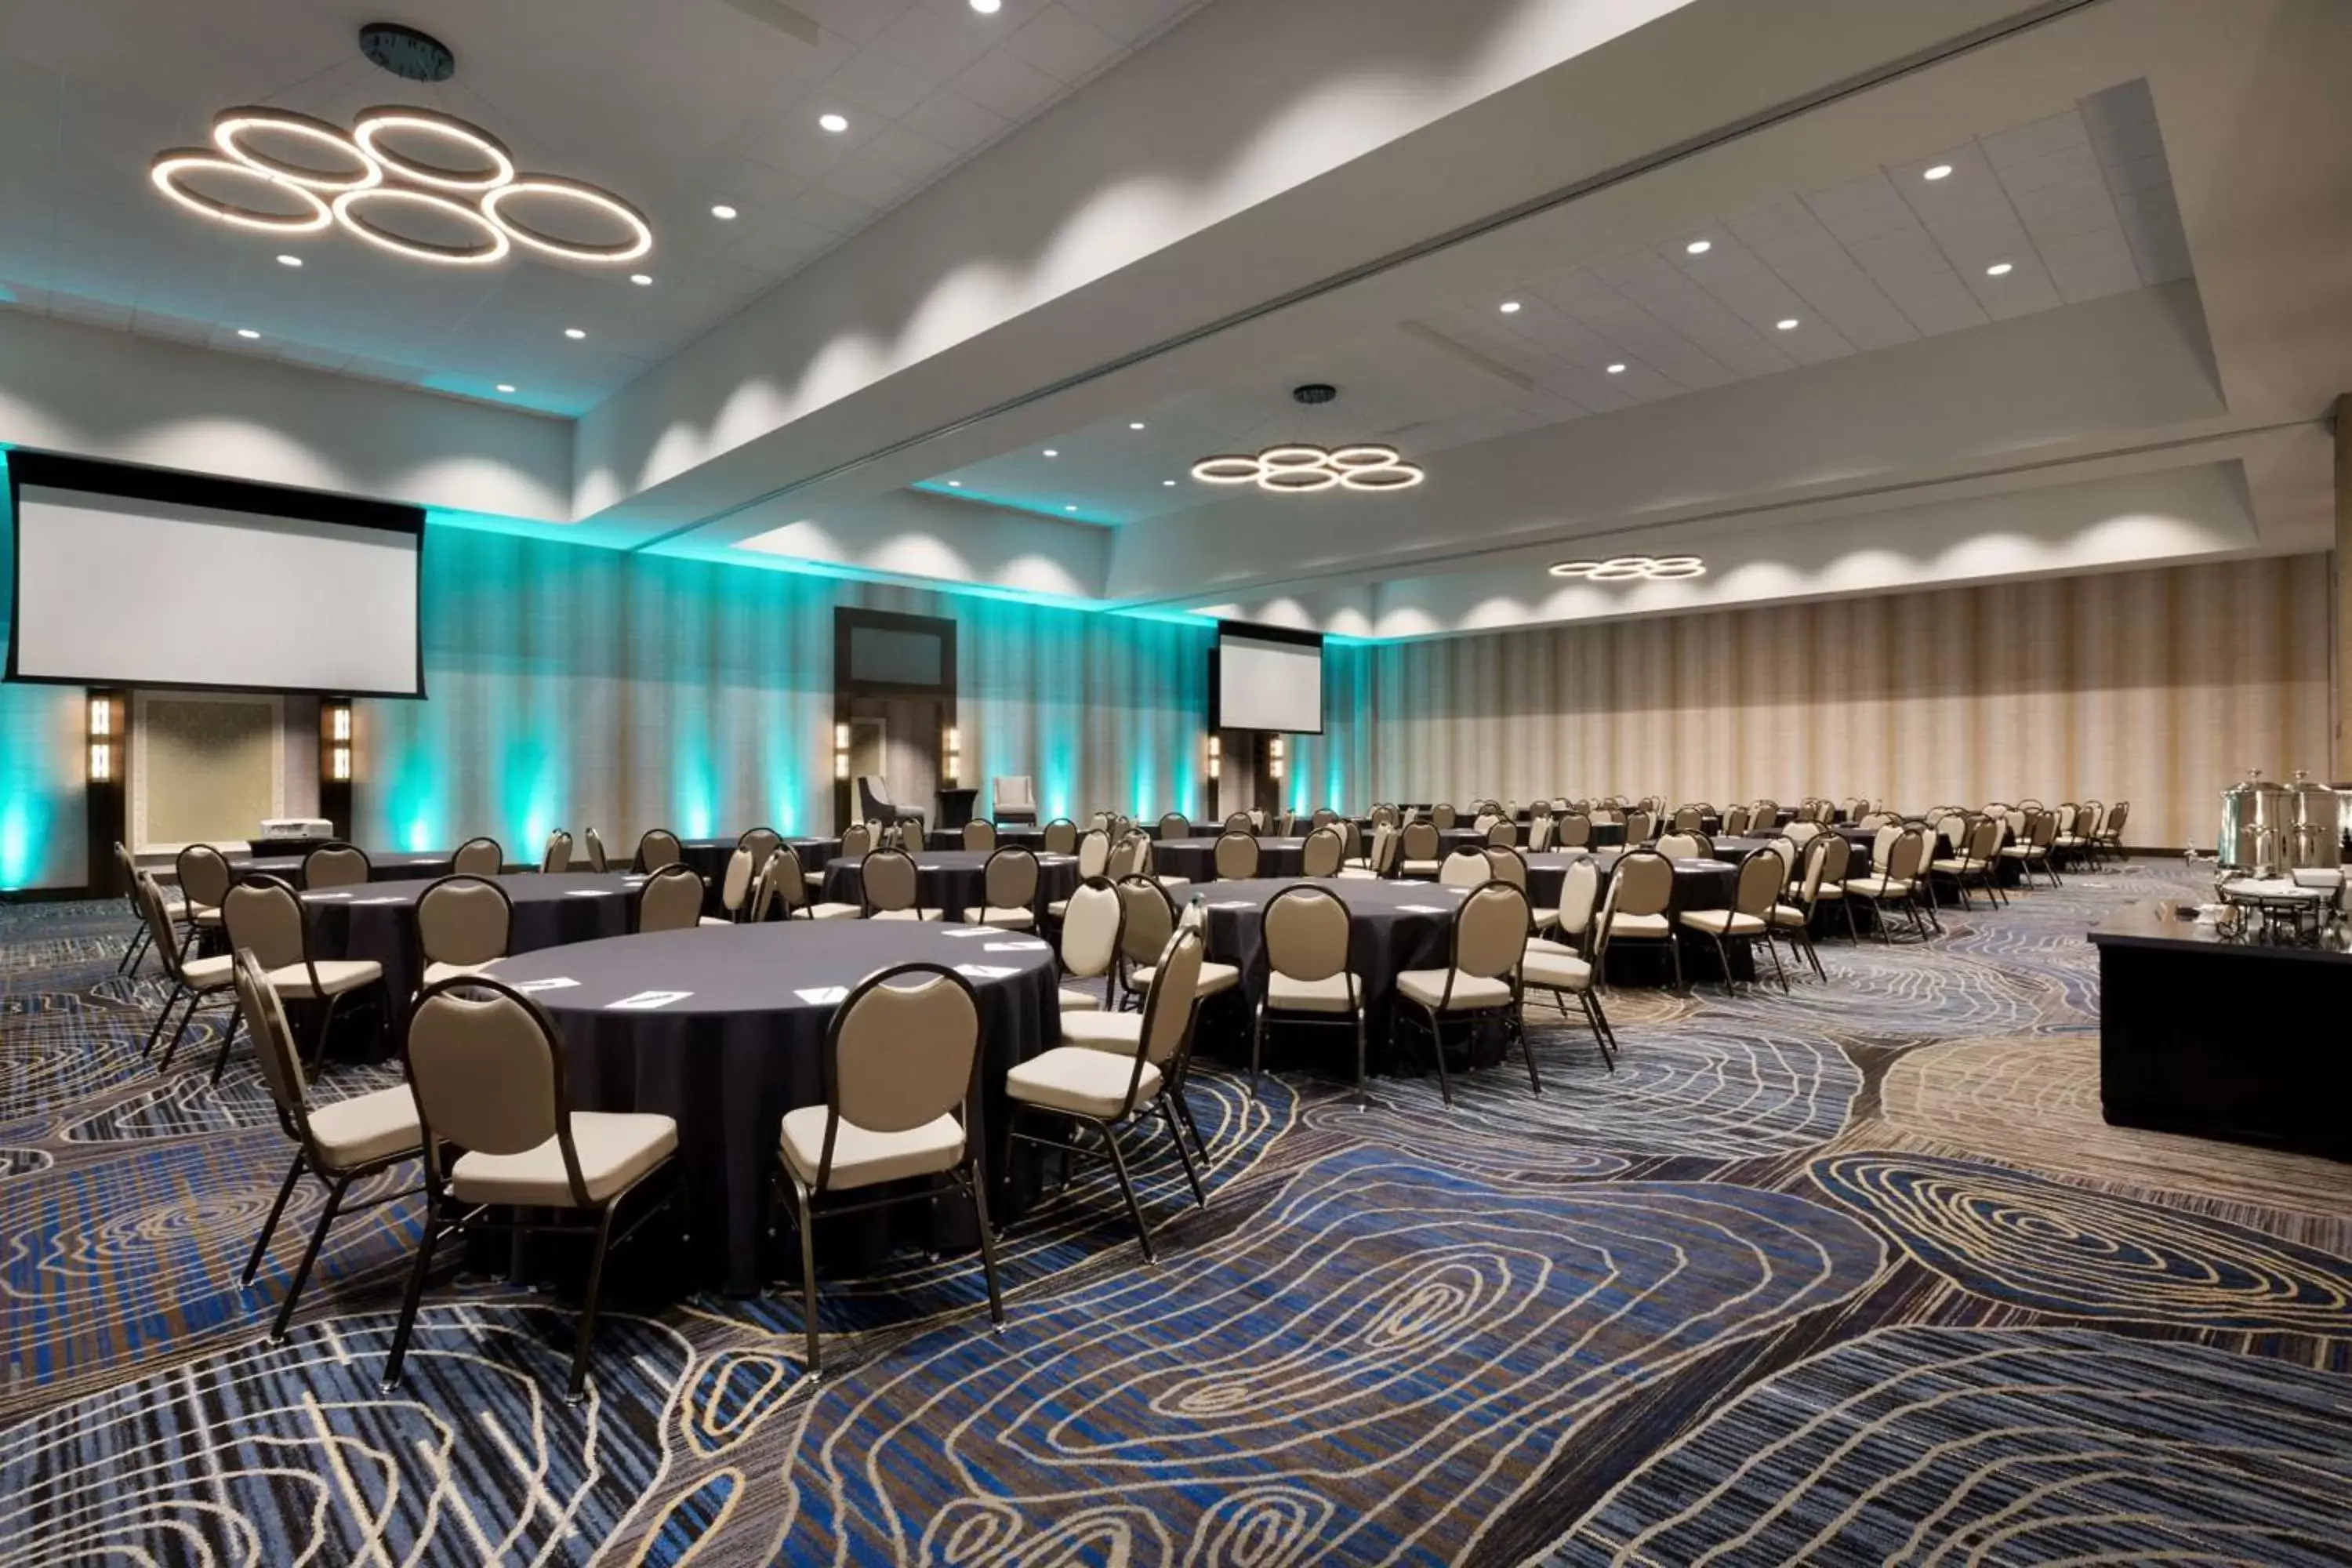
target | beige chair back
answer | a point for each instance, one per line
(1326, 847)
(1984, 841)
(1735, 822)
(1442, 816)
(899, 1056)
(1305, 933)
(1236, 856)
(1638, 825)
(781, 881)
(487, 1071)
(1239, 822)
(1175, 824)
(1145, 919)
(1167, 1010)
(1839, 859)
(1579, 891)
(486, 858)
(1687, 819)
(891, 881)
(464, 919)
(335, 865)
(1490, 932)
(1679, 846)
(265, 916)
(1540, 831)
(1421, 841)
(657, 847)
(1801, 833)
(1123, 859)
(1010, 879)
(1094, 854)
(735, 886)
(1881, 842)
(1815, 859)
(1642, 884)
(1506, 865)
(557, 856)
(158, 916)
(1503, 832)
(1014, 795)
(671, 899)
(1906, 854)
(980, 834)
(597, 859)
(857, 841)
(1091, 929)
(1761, 876)
(761, 842)
(273, 1046)
(1061, 836)
(1465, 867)
(1575, 831)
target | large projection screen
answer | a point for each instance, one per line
(1264, 684)
(129, 577)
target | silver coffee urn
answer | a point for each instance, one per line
(2254, 820)
(2314, 825)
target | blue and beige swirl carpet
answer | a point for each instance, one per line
(1852, 1275)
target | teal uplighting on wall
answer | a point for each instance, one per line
(41, 765)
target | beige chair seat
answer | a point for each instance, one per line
(715, 920)
(336, 975)
(1358, 873)
(1621, 924)
(990, 915)
(203, 914)
(835, 912)
(1215, 979)
(1100, 1031)
(1417, 868)
(1557, 971)
(1878, 886)
(1172, 883)
(1723, 923)
(2022, 851)
(862, 1157)
(615, 1149)
(1090, 1082)
(813, 879)
(1545, 945)
(1829, 890)
(1542, 919)
(1956, 866)
(1058, 910)
(906, 914)
(1286, 994)
(205, 973)
(1789, 916)
(1426, 986)
(1080, 1002)
(437, 972)
(367, 1127)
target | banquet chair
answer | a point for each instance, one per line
(670, 899)
(1350, 842)
(1174, 825)
(786, 884)
(485, 858)
(1503, 832)
(1689, 819)
(335, 865)
(909, 834)
(1061, 836)
(1539, 828)
(1324, 849)
(980, 834)
(1735, 821)
(734, 890)
(486, 1069)
(1236, 856)
(1639, 825)
(464, 923)
(1510, 866)
(2076, 826)
(1008, 891)
(1482, 821)
(1081, 1089)
(1240, 822)
(1682, 845)
(1146, 918)
(1305, 932)
(267, 917)
(1125, 858)
(1465, 867)
(1322, 816)
(1575, 830)
(1973, 857)
(1094, 860)
(1420, 851)
(1754, 895)
(761, 842)
(1442, 816)
(338, 1144)
(1566, 968)
(199, 982)
(597, 859)
(1894, 877)
(1486, 945)
(1801, 832)
(874, 804)
(1012, 797)
(1793, 913)
(142, 938)
(657, 847)
(1379, 860)
(1093, 922)
(2031, 847)
(1142, 865)
(1640, 892)
(902, 1066)
(2111, 828)
(857, 843)
(893, 888)
(557, 856)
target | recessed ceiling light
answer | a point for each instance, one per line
(1699, 247)
(1617, 370)
(246, 332)
(1135, 424)
(722, 212)
(1509, 307)
(642, 279)
(987, 7)
(1069, 509)
(506, 386)
(1786, 323)
(1051, 453)
(834, 123)
(955, 484)
(290, 261)
(1940, 171)
(1168, 484)
(574, 334)
(1998, 270)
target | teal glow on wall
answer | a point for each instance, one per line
(40, 763)
(21, 826)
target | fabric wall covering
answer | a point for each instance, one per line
(2161, 687)
(42, 820)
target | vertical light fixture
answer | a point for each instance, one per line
(105, 735)
(841, 751)
(1216, 755)
(336, 716)
(1274, 754)
(955, 757)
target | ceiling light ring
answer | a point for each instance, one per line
(1294, 455)
(1228, 468)
(1296, 479)
(372, 123)
(1363, 454)
(163, 169)
(1621, 569)
(640, 243)
(1632, 569)
(1387, 478)
(1676, 568)
(494, 248)
(230, 126)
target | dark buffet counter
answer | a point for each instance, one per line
(2224, 1037)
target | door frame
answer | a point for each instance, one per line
(847, 620)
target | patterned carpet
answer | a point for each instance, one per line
(1856, 1275)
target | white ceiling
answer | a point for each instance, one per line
(2079, 204)
(678, 106)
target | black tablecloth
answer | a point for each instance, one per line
(381, 867)
(746, 1045)
(1195, 859)
(953, 881)
(549, 911)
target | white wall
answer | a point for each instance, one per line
(924, 537)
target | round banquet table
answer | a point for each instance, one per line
(708, 859)
(1195, 859)
(381, 867)
(745, 1043)
(953, 881)
(380, 923)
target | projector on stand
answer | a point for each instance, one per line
(292, 835)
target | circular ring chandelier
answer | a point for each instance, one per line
(1632, 569)
(493, 248)
(167, 168)
(640, 241)
(1303, 467)
(496, 166)
(231, 126)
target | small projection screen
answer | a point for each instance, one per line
(1269, 679)
(132, 577)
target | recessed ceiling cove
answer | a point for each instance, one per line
(416, 182)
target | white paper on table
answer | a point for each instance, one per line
(588, 892)
(920, 867)
(326, 895)
(390, 899)
(558, 983)
(1420, 908)
(971, 931)
(1015, 947)
(1234, 904)
(645, 1001)
(824, 995)
(986, 970)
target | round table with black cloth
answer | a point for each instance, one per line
(953, 881)
(549, 911)
(745, 1044)
(401, 868)
(708, 859)
(1195, 859)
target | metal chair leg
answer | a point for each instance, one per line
(1437, 1052)
(1602, 1032)
(588, 1307)
(1258, 1045)
(806, 1225)
(407, 1324)
(156, 1031)
(269, 1226)
(1177, 1134)
(987, 1239)
(229, 1039)
(310, 1257)
(178, 1034)
(1126, 1190)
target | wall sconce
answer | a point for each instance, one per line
(841, 751)
(1216, 755)
(955, 757)
(105, 734)
(335, 717)
(1274, 754)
